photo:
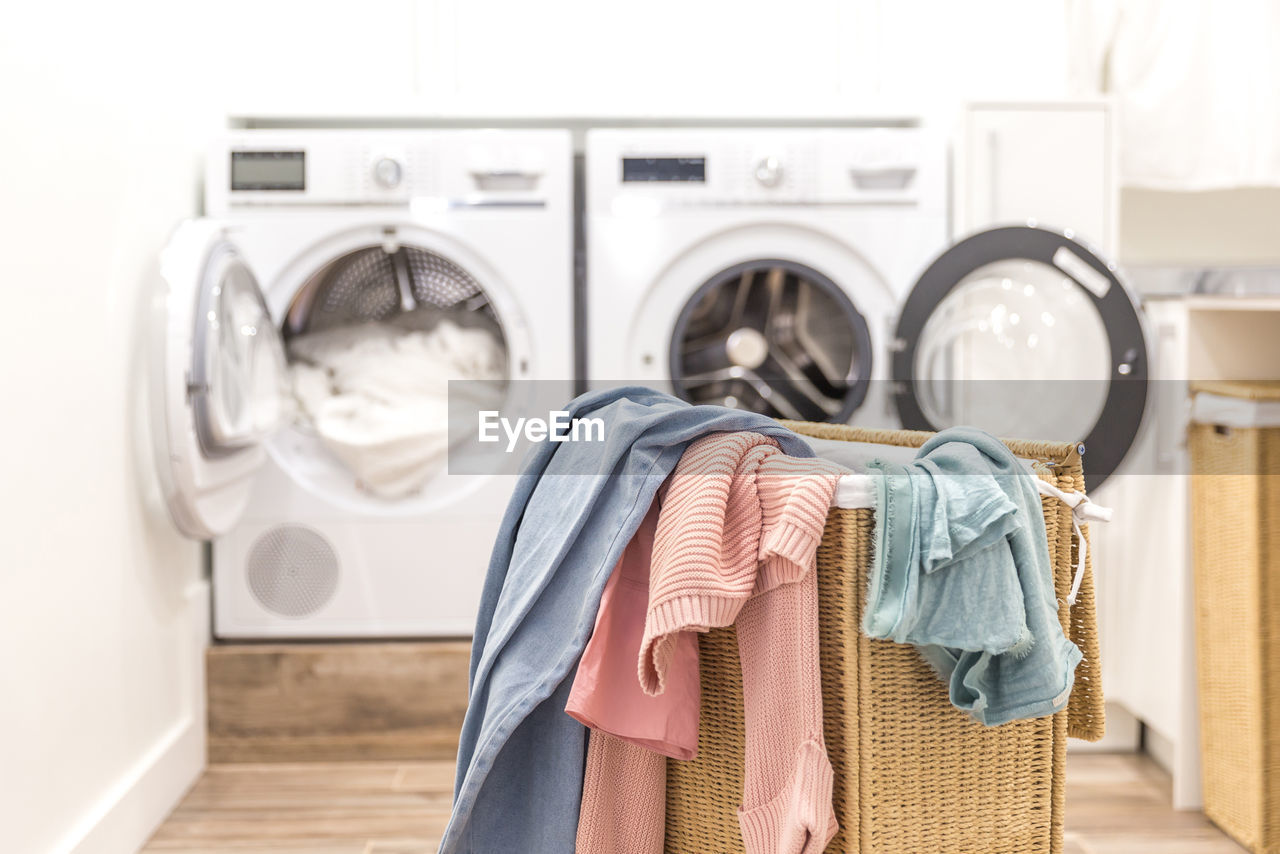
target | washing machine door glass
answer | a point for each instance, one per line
(220, 385)
(238, 362)
(1025, 333)
(772, 336)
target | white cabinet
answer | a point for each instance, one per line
(1052, 163)
(1142, 561)
(1142, 567)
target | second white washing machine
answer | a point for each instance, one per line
(809, 273)
(307, 330)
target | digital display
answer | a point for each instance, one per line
(676, 169)
(268, 170)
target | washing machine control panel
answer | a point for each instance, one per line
(641, 169)
(442, 169)
(664, 170)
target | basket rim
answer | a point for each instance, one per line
(1057, 454)
(1245, 389)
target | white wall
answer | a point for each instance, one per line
(735, 57)
(101, 605)
(103, 608)
(738, 58)
(1204, 229)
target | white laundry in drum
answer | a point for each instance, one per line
(377, 394)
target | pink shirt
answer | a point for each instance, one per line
(736, 541)
(606, 695)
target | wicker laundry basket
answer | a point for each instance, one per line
(1236, 534)
(913, 774)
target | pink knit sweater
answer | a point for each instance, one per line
(736, 541)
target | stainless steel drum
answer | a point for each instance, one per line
(406, 284)
(775, 337)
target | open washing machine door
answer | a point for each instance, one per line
(1026, 333)
(219, 379)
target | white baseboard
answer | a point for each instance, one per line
(126, 815)
(1182, 760)
(1123, 734)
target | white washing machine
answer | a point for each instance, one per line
(315, 230)
(809, 273)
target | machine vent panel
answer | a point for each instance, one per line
(292, 571)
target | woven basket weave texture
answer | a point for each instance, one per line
(1235, 505)
(912, 773)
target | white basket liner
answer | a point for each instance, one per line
(1238, 412)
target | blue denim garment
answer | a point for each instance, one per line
(962, 571)
(575, 507)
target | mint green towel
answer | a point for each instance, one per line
(962, 571)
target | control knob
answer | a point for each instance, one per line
(388, 172)
(769, 171)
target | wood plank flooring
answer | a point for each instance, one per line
(1116, 804)
(312, 808)
(1119, 804)
(401, 700)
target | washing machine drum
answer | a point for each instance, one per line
(775, 337)
(374, 284)
(374, 339)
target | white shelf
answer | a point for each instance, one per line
(1205, 302)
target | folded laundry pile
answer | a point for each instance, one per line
(612, 556)
(378, 395)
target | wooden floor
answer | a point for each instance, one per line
(335, 702)
(1115, 805)
(1119, 804)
